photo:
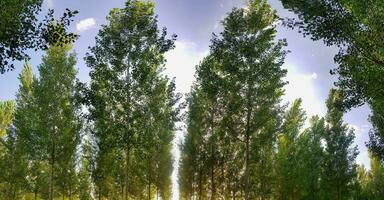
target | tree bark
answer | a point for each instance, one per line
(200, 185)
(128, 110)
(127, 173)
(213, 189)
(247, 140)
(51, 182)
(149, 178)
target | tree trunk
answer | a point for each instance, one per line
(149, 191)
(127, 173)
(128, 112)
(200, 185)
(149, 178)
(99, 193)
(247, 138)
(213, 189)
(51, 182)
(70, 191)
(63, 189)
(246, 176)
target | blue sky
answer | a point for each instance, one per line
(194, 22)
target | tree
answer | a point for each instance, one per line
(6, 112)
(356, 28)
(252, 60)
(20, 30)
(310, 159)
(362, 190)
(126, 65)
(339, 167)
(17, 154)
(85, 179)
(376, 178)
(234, 110)
(57, 128)
(287, 161)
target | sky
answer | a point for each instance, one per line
(308, 62)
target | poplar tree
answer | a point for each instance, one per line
(376, 178)
(57, 128)
(287, 158)
(339, 167)
(234, 109)
(355, 27)
(310, 158)
(17, 137)
(126, 65)
(193, 170)
(85, 179)
(252, 60)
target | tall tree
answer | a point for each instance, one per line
(193, 173)
(126, 66)
(287, 161)
(356, 28)
(85, 180)
(339, 167)
(376, 178)
(15, 156)
(310, 159)
(252, 60)
(234, 110)
(57, 128)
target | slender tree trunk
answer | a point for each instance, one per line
(127, 173)
(99, 193)
(149, 191)
(149, 178)
(222, 180)
(213, 189)
(51, 181)
(35, 194)
(246, 176)
(200, 185)
(70, 190)
(14, 193)
(128, 110)
(247, 140)
(122, 188)
(63, 189)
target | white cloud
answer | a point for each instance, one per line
(302, 85)
(363, 158)
(50, 4)
(85, 24)
(181, 63)
(358, 130)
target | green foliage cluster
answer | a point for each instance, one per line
(112, 138)
(21, 30)
(242, 144)
(132, 106)
(356, 27)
